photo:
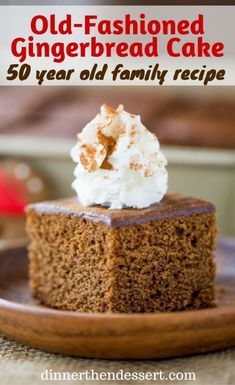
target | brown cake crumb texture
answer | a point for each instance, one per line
(84, 265)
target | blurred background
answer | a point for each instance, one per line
(38, 127)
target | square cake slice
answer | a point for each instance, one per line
(92, 259)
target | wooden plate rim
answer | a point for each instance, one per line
(46, 311)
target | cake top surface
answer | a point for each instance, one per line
(172, 205)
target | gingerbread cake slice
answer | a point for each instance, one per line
(92, 259)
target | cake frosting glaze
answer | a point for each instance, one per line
(119, 162)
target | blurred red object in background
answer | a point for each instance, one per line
(20, 184)
(13, 196)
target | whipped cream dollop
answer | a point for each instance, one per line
(119, 162)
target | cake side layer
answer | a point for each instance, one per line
(81, 265)
(165, 265)
(69, 266)
(172, 205)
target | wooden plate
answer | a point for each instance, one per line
(117, 336)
